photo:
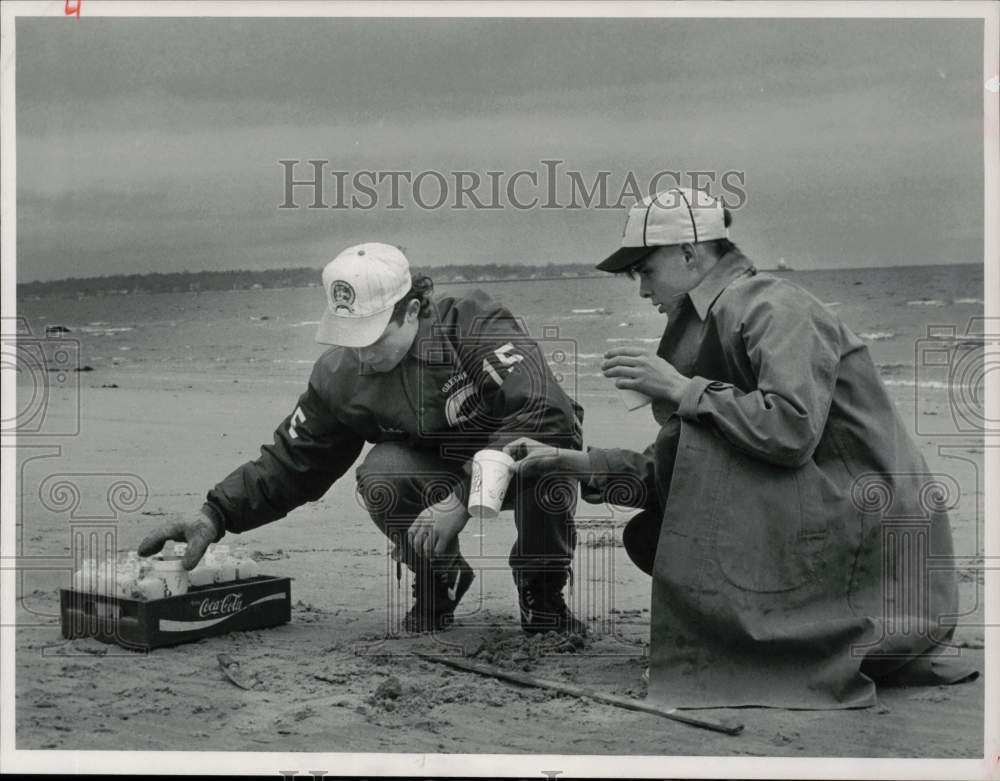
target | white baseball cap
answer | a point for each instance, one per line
(362, 284)
(673, 216)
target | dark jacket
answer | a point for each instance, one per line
(472, 379)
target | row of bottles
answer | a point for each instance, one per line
(162, 576)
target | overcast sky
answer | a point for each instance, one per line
(153, 145)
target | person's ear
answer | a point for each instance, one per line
(413, 309)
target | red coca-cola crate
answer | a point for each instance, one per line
(203, 611)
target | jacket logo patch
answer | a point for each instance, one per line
(457, 408)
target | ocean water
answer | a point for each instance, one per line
(268, 334)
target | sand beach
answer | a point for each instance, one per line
(175, 390)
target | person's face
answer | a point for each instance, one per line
(666, 274)
(392, 346)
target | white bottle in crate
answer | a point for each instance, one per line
(151, 587)
(225, 563)
(126, 574)
(246, 567)
(84, 578)
(203, 574)
(105, 579)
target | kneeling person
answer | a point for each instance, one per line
(430, 383)
(776, 579)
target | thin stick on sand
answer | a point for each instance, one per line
(580, 691)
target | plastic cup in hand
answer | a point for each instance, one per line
(632, 399)
(491, 473)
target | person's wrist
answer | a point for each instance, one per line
(573, 460)
(678, 388)
(216, 524)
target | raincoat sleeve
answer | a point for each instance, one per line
(518, 392)
(311, 449)
(621, 477)
(793, 346)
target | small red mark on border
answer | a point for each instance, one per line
(73, 8)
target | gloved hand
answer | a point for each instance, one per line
(198, 531)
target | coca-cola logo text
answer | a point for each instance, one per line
(231, 603)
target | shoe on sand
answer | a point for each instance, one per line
(435, 597)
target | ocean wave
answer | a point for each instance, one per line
(968, 301)
(598, 311)
(927, 384)
(104, 331)
(304, 322)
(831, 304)
(925, 302)
(877, 336)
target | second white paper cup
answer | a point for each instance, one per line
(632, 398)
(491, 473)
(171, 571)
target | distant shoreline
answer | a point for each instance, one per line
(270, 279)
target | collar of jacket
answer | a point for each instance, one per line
(729, 267)
(429, 342)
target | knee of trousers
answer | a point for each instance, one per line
(640, 538)
(548, 495)
(395, 486)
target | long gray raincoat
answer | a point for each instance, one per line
(805, 550)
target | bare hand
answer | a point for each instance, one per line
(437, 527)
(633, 368)
(198, 531)
(535, 458)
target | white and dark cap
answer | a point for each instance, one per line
(362, 284)
(675, 216)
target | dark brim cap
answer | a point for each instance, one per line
(624, 258)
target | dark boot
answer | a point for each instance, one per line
(436, 594)
(543, 608)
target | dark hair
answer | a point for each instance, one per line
(421, 289)
(720, 247)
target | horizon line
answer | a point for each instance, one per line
(427, 269)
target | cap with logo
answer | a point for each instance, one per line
(362, 284)
(673, 216)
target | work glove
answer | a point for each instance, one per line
(198, 531)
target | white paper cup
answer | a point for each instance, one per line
(491, 473)
(171, 571)
(632, 399)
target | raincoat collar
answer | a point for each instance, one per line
(729, 267)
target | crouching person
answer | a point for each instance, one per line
(430, 383)
(797, 548)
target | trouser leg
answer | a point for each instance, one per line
(642, 533)
(543, 515)
(397, 483)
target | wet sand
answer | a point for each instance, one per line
(331, 680)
